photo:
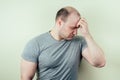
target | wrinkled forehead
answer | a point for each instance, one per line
(73, 19)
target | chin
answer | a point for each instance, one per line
(69, 38)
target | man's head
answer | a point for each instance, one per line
(66, 22)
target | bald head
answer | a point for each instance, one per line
(63, 13)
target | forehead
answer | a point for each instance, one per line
(73, 19)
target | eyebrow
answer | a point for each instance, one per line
(75, 26)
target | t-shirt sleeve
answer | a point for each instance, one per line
(31, 51)
(84, 43)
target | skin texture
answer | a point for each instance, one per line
(28, 70)
(67, 30)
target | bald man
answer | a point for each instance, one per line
(56, 54)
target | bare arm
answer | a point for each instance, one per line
(93, 53)
(28, 70)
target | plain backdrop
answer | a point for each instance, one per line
(21, 20)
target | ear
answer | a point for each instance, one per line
(60, 22)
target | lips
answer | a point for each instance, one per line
(72, 36)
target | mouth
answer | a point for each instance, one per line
(71, 36)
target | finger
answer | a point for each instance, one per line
(80, 26)
(83, 23)
(83, 19)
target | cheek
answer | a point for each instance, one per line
(66, 30)
(63, 29)
(69, 31)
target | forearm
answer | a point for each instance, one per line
(26, 78)
(95, 52)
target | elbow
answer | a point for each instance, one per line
(99, 64)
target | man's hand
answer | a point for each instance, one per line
(83, 27)
(93, 53)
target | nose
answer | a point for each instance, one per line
(75, 32)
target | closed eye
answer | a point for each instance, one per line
(75, 27)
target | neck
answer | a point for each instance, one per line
(54, 33)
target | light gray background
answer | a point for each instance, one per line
(21, 20)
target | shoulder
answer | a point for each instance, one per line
(39, 38)
(42, 36)
(35, 41)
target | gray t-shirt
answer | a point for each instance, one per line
(57, 60)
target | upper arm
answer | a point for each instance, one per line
(89, 57)
(29, 60)
(28, 70)
(86, 55)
